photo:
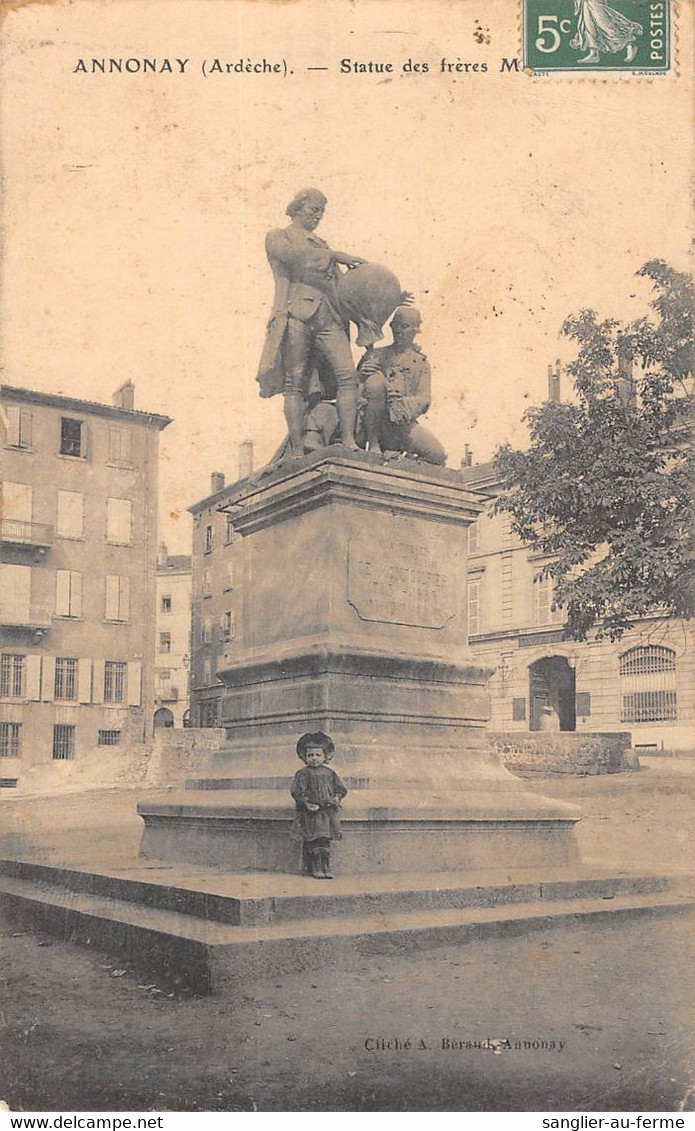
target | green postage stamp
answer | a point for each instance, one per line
(594, 35)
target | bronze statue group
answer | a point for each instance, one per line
(307, 355)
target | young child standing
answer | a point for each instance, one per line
(317, 791)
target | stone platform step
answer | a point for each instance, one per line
(260, 898)
(208, 954)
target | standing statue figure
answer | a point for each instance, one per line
(602, 28)
(306, 331)
(396, 390)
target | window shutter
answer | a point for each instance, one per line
(124, 599)
(134, 680)
(98, 681)
(62, 592)
(86, 446)
(33, 678)
(13, 432)
(25, 428)
(111, 610)
(75, 593)
(48, 679)
(84, 681)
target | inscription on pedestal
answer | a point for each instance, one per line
(402, 581)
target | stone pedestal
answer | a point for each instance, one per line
(354, 622)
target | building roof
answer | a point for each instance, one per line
(480, 477)
(113, 412)
(175, 563)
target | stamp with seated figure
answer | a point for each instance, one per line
(595, 35)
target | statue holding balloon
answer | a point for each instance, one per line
(307, 356)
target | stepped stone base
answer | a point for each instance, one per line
(352, 619)
(214, 932)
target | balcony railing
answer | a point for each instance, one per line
(23, 533)
(26, 616)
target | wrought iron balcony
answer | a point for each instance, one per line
(19, 532)
(25, 616)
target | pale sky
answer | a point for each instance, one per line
(136, 205)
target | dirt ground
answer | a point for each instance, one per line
(585, 1019)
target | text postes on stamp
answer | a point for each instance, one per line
(595, 35)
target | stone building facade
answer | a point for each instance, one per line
(79, 543)
(643, 683)
(216, 573)
(172, 640)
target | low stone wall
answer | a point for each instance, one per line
(544, 754)
(169, 758)
(180, 754)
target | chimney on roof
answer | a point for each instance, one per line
(162, 554)
(124, 397)
(216, 482)
(467, 457)
(245, 457)
(554, 385)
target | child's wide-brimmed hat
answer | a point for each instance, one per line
(317, 739)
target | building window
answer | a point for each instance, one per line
(63, 742)
(229, 531)
(648, 684)
(117, 598)
(68, 593)
(19, 428)
(70, 437)
(474, 607)
(12, 676)
(474, 538)
(166, 604)
(206, 631)
(70, 521)
(109, 738)
(229, 577)
(209, 712)
(10, 740)
(65, 678)
(119, 445)
(209, 539)
(165, 642)
(119, 522)
(543, 602)
(207, 672)
(228, 626)
(207, 583)
(114, 681)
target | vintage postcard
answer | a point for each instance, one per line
(311, 801)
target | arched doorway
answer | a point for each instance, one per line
(552, 694)
(163, 718)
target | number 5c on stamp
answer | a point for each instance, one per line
(598, 35)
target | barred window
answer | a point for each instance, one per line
(209, 539)
(11, 675)
(65, 679)
(114, 681)
(109, 738)
(10, 740)
(648, 684)
(63, 742)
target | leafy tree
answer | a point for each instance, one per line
(605, 487)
